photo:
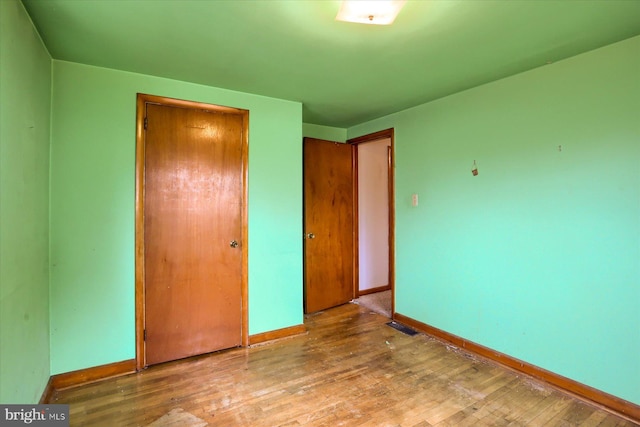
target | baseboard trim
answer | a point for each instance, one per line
(47, 394)
(374, 290)
(90, 375)
(277, 334)
(97, 373)
(615, 404)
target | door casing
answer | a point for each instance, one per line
(383, 134)
(142, 100)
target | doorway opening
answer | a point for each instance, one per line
(349, 248)
(374, 221)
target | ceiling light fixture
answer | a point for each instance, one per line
(377, 12)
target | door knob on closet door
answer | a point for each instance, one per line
(233, 244)
(311, 236)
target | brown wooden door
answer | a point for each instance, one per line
(192, 212)
(328, 222)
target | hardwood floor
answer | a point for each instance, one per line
(350, 369)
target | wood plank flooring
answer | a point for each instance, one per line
(350, 369)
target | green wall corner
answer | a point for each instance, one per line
(25, 96)
(324, 132)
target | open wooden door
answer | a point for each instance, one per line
(328, 224)
(193, 228)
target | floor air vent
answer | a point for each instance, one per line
(404, 329)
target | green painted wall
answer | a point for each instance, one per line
(539, 255)
(324, 132)
(92, 209)
(25, 96)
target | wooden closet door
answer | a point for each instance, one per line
(193, 198)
